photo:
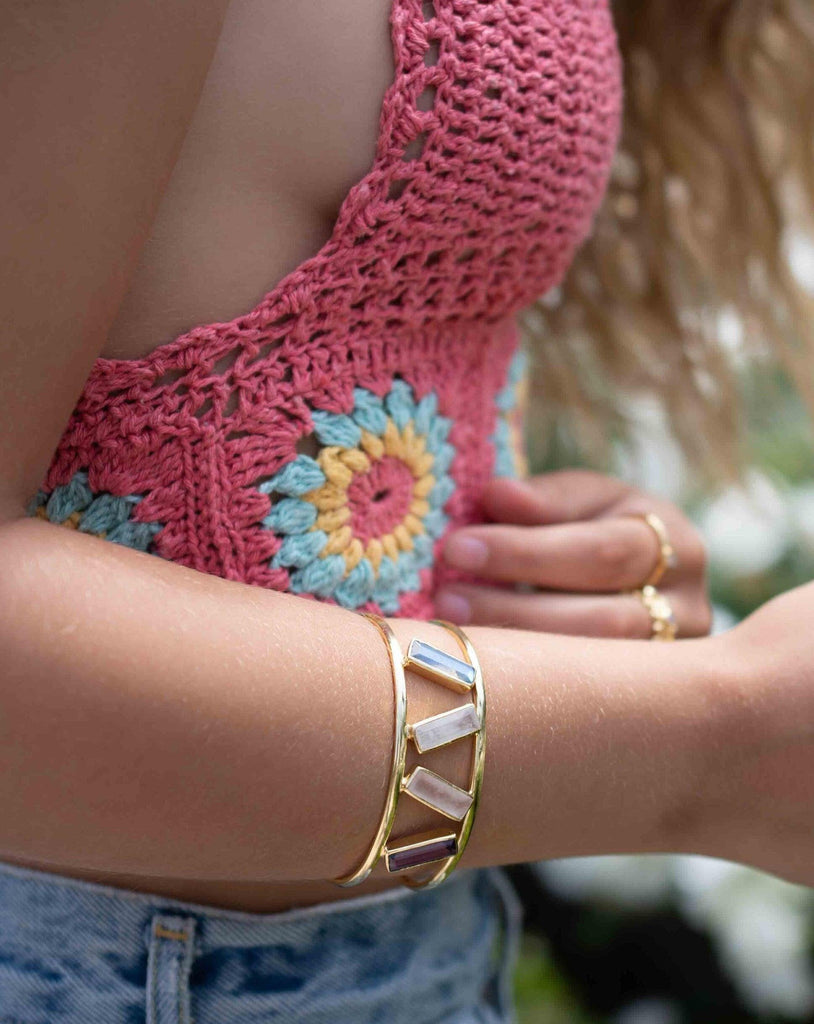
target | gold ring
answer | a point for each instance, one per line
(662, 618)
(667, 554)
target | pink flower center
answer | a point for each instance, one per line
(380, 499)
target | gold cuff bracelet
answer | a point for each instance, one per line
(444, 845)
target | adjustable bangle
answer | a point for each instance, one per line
(444, 845)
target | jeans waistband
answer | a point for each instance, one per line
(72, 951)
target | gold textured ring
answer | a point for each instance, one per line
(667, 555)
(662, 619)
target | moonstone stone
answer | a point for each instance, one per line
(439, 666)
(435, 792)
(445, 728)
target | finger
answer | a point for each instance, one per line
(614, 616)
(598, 615)
(600, 555)
(562, 497)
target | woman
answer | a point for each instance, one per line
(207, 751)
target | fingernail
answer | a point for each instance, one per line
(465, 552)
(452, 606)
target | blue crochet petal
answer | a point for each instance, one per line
(299, 549)
(518, 366)
(38, 500)
(385, 592)
(407, 573)
(442, 460)
(134, 535)
(388, 602)
(69, 498)
(438, 433)
(425, 413)
(301, 475)
(399, 403)
(290, 515)
(334, 429)
(320, 577)
(505, 463)
(506, 398)
(435, 522)
(368, 411)
(423, 551)
(441, 492)
(357, 587)
(105, 513)
(502, 434)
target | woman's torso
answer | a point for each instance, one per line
(480, 173)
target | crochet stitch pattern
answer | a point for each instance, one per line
(494, 147)
(362, 517)
(103, 515)
(508, 438)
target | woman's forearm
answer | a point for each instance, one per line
(597, 746)
(160, 721)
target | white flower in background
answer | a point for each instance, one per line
(800, 255)
(801, 502)
(731, 337)
(760, 925)
(747, 529)
(649, 1011)
(636, 882)
(653, 460)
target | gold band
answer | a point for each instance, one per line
(662, 620)
(399, 754)
(442, 848)
(667, 555)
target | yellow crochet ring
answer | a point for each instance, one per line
(341, 465)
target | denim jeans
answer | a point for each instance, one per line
(75, 952)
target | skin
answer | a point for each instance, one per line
(125, 757)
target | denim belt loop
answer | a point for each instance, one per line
(512, 932)
(168, 965)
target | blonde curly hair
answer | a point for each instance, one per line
(714, 173)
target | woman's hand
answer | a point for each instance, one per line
(578, 542)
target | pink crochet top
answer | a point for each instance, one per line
(325, 442)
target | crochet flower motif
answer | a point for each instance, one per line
(359, 521)
(508, 440)
(101, 514)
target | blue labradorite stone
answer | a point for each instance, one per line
(426, 658)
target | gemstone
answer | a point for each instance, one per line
(440, 667)
(430, 789)
(422, 849)
(440, 729)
